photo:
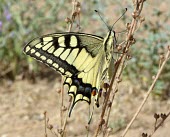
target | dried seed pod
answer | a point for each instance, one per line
(156, 116)
(128, 25)
(50, 126)
(144, 134)
(106, 85)
(163, 116)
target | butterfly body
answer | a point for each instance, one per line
(83, 59)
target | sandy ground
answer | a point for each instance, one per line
(23, 104)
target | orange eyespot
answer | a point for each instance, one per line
(93, 92)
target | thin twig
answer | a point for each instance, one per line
(45, 123)
(73, 10)
(64, 124)
(119, 66)
(130, 33)
(105, 105)
(109, 109)
(62, 102)
(148, 93)
(65, 121)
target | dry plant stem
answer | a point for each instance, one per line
(45, 123)
(73, 9)
(109, 109)
(65, 121)
(118, 70)
(148, 93)
(156, 122)
(123, 58)
(104, 106)
(54, 133)
(160, 124)
(62, 100)
(63, 125)
(120, 65)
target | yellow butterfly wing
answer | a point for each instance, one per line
(77, 56)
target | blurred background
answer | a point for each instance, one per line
(28, 88)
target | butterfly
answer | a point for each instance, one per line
(83, 59)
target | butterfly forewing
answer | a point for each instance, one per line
(77, 56)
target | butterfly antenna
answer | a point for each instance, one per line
(119, 18)
(102, 19)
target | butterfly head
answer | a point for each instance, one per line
(109, 36)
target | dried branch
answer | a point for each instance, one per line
(45, 123)
(49, 126)
(62, 101)
(119, 65)
(70, 21)
(130, 41)
(148, 92)
(157, 125)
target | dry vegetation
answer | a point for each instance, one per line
(24, 102)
